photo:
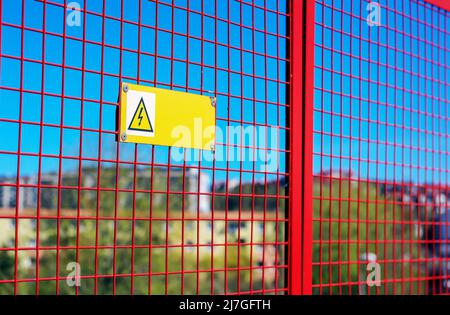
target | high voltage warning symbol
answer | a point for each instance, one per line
(141, 120)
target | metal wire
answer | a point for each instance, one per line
(381, 140)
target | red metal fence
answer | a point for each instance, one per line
(381, 147)
(356, 89)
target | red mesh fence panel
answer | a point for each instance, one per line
(381, 148)
(132, 217)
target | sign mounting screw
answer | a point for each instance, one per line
(213, 101)
(123, 136)
(212, 147)
(125, 88)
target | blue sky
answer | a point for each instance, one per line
(381, 113)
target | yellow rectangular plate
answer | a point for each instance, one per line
(165, 117)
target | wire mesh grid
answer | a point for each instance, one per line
(381, 148)
(134, 219)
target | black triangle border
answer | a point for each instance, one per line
(148, 117)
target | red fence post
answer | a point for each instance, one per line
(301, 111)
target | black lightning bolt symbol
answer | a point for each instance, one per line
(140, 116)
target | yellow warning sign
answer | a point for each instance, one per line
(140, 120)
(165, 117)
